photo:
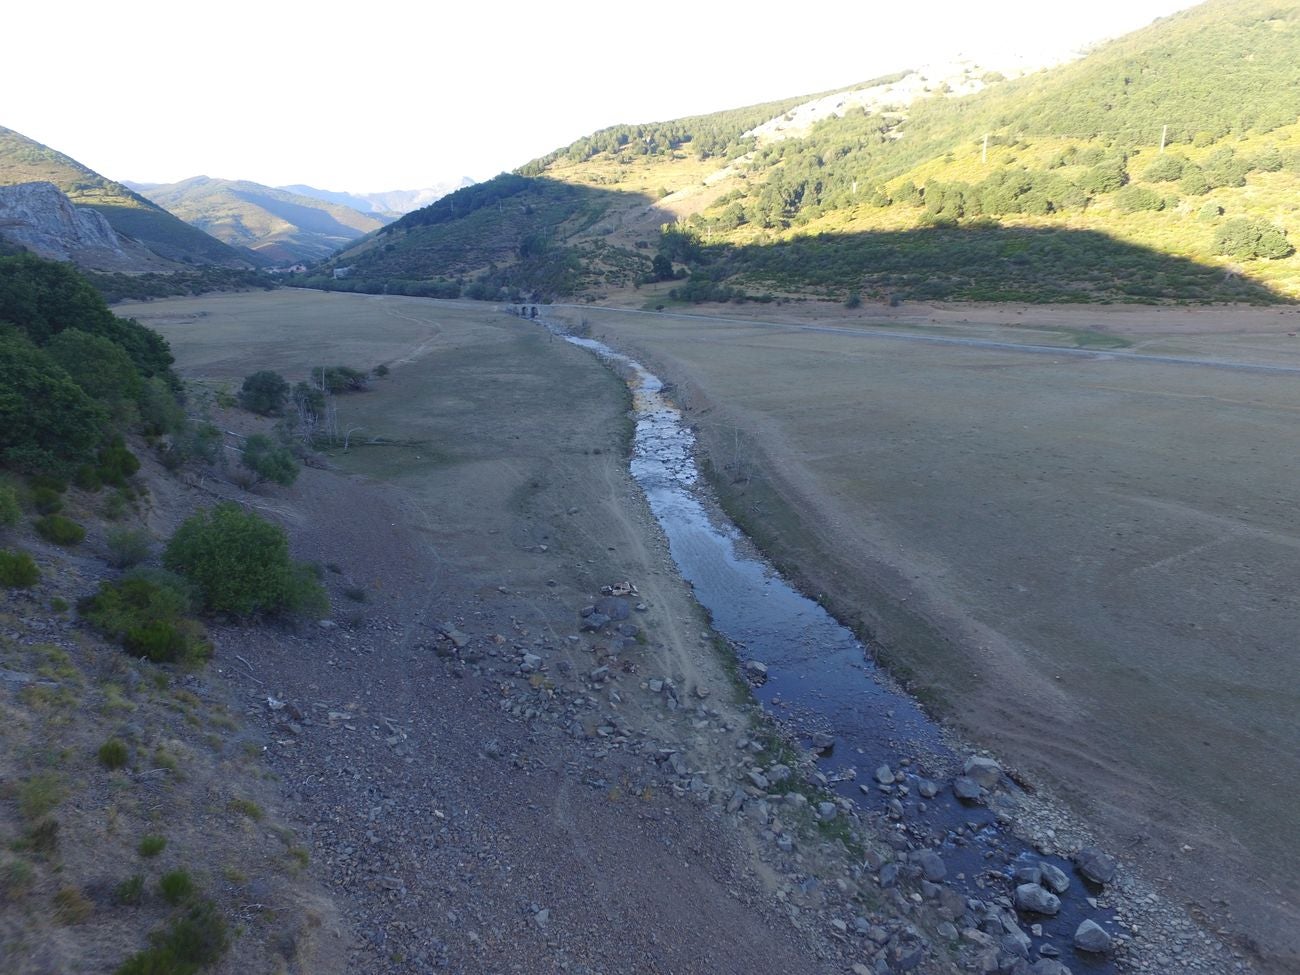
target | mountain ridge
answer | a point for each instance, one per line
(24, 160)
(1092, 164)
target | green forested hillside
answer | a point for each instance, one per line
(1163, 166)
(23, 160)
(279, 225)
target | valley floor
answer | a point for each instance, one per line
(481, 794)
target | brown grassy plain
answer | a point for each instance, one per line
(1086, 561)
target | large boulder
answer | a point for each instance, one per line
(1095, 865)
(1036, 899)
(1091, 936)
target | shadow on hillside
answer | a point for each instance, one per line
(546, 239)
(979, 262)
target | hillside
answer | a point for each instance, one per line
(1163, 166)
(23, 160)
(281, 226)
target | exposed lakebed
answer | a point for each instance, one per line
(876, 746)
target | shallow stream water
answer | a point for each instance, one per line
(822, 682)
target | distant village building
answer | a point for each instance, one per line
(342, 272)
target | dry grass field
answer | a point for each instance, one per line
(1087, 561)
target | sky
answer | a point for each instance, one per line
(384, 95)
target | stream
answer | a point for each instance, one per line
(823, 684)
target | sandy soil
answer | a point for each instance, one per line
(1086, 561)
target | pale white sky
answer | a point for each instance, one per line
(384, 95)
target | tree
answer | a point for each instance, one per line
(240, 563)
(99, 366)
(264, 392)
(1247, 239)
(47, 422)
(268, 460)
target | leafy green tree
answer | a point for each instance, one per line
(1247, 239)
(268, 460)
(99, 366)
(1131, 199)
(264, 392)
(1165, 169)
(47, 422)
(240, 563)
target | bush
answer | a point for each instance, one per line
(1166, 169)
(47, 422)
(116, 463)
(176, 886)
(128, 547)
(196, 940)
(151, 845)
(130, 892)
(60, 530)
(47, 501)
(10, 509)
(113, 754)
(268, 460)
(338, 379)
(99, 366)
(145, 612)
(1132, 199)
(240, 563)
(264, 392)
(1248, 239)
(17, 570)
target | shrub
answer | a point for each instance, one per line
(17, 570)
(176, 886)
(151, 845)
(128, 546)
(1248, 239)
(38, 795)
(1166, 169)
(338, 379)
(1131, 199)
(195, 940)
(47, 501)
(71, 906)
(16, 879)
(145, 612)
(10, 509)
(113, 754)
(116, 463)
(264, 392)
(47, 422)
(98, 365)
(240, 563)
(269, 461)
(130, 892)
(60, 530)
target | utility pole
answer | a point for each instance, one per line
(1164, 131)
(984, 155)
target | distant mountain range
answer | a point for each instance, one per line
(151, 238)
(390, 204)
(1161, 166)
(280, 226)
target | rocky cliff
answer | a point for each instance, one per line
(39, 217)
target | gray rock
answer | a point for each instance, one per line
(932, 866)
(966, 788)
(531, 662)
(778, 774)
(985, 771)
(947, 930)
(926, 788)
(1091, 936)
(756, 671)
(594, 622)
(615, 607)
(1054, 878)
(885, 775)
(1048, 966)
(759, 779)
(889, 875)
(1029, 875)
(1097, 866)
(1039, 900)
(736, 801)
(599, 674)
(826, 811)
